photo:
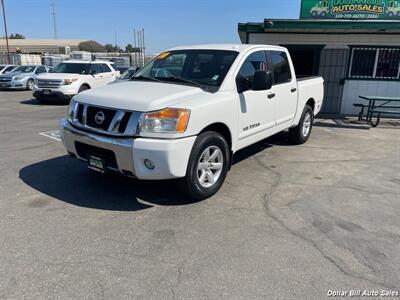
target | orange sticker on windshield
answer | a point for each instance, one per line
(163, 55)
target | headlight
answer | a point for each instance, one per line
(169, 120)
(68, 81)
(19, 78)
(71, 110)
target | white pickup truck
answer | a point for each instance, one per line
(71, 77)
(187, 112)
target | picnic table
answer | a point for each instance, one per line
(377, 106)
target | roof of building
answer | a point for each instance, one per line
(43, 44)
(321, 26)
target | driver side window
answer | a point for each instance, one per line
(256, 61)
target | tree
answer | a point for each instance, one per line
(109, 47)
(129, 48)
(16, 36)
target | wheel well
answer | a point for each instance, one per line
(311, 103)
(223, 130)
(85, 84)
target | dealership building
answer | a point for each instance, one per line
(51, 46)
(353, 44)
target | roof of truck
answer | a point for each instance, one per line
(234, 47)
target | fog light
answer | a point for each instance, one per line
(149, 164)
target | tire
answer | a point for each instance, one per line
(83, 88)
(199, 183)
(29, 84)
(301, 133)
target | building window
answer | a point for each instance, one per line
(375, 63)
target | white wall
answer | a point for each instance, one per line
(354, 88)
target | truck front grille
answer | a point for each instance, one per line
(49, 83)
(100, 118)
(105, 120)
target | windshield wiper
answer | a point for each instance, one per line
(145, 78)
(178, 79)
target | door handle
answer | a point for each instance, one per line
(270, 96)
(293, 90)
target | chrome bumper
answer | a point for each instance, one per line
(121, 147)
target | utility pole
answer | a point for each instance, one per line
(5, 29)
(115, 38)
(144, 47)
(53, 9)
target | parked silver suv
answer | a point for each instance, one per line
(21, 77)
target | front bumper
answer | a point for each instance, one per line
(60, 93)
(127, 155)
(55, 95)
(14, 85)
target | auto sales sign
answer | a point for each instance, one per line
(350, 9)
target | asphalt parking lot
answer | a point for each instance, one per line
(291, 222)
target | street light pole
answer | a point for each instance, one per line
(5, 29)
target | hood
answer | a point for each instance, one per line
(60, 76)
(139, 95)
(12, 74)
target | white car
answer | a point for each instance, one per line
(72, 77)
(187, 112)
(6, 68)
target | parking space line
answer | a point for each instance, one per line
(55, 135)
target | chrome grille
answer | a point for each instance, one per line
(104, 120)
(49, 83)
(5, 79)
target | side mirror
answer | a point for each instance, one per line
(262, 80)
(243, 84)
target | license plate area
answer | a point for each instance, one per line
(97, 164)
(3, 84)
(107, 157)
(46, 92)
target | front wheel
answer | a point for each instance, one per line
(207, 167)
(29, 84)
(301, 133)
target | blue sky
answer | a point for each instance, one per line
(167, 23)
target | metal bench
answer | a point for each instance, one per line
(392, 110)
(361, 113)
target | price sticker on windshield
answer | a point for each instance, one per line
(163, 55)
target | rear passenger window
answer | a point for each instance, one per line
(104, 68)
(256, 61)
(280, 64)
(95, 68)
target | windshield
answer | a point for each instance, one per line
(72, 68)
(127, 74)
(24, 69)
(201, 67)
